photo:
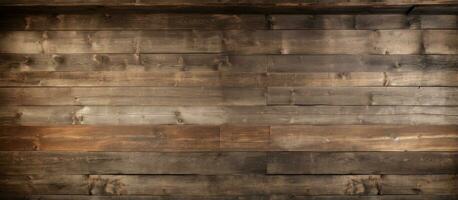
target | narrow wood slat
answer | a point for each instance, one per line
(130, 21)
(217, 115)
(232, 185)
(232, 42)
(244, 197)
(226, 63)
(362, 96)
(213, 163)
(44, 184)
(362, 163)
(229, 138)
(420, 184)
(18, 163)
(367, 138)
(228, 79)
(185, 96)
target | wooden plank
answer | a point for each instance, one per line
(133, 62)
(109, 138)
(19, 163)
(362, 163)
(440, 42)
(230, 63)
(44, 184)
(155, 96)
(233, 185)
(364, 21)
(323, 42)
(416, 184)
(217, 115)
(228, 79)
(364, 138)
(378, 197)
(426, 96)
(239, 138)
(232, 42)
(130, 21)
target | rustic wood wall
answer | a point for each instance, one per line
(270, 106)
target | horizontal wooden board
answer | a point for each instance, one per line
(228, 79)
(416, 184)
(212, 163)
(362, 163)
(232, 185)
(44, 184)
(17, 163)
(178, 96)
(426, 96)
(130, 21)
(229, 138)
(232, 41)
(369, 138)
(232, 197)
(148, 21)
(217, 115)
(362, 22)
(226, 63)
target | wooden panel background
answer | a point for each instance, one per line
(110, 103)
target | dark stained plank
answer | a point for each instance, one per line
(18, 163)
(130, 21)
(110, 138)
(232, 42)
(230, 63)
(156, 96)
(384, 197)
(440, 41)
(233, 185)
(136, 197)
(361, 63)
(217, 115)
(419, 184)
(362, 96)
(239, 138)
(362, 163)
(228, 79)
(364, 138)
(44, 184)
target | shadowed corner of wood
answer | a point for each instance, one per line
(105, 186)
(363, 186)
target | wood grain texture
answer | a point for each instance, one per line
(362, 163)
(19, 163)
(218, 115)
(232, 185)
(182, 96)
(228, 79)
(44, 184)
(362, 96)
(420, 184)
(191, 138)
(369, 138)
(130, 21)
(232, 42)
(226, 63)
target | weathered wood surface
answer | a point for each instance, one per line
(185, 96)
(44, 184)
(17, 163)
(228, 79)
(217, 115)
(213, 163)
(229, 138)
(233, 41)
(362, 22)
(369, 138)
(426, 96)
(177, 96)
(362, 163)
(232, 197)
(148, 21)
(226, 63)
(420, 184)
